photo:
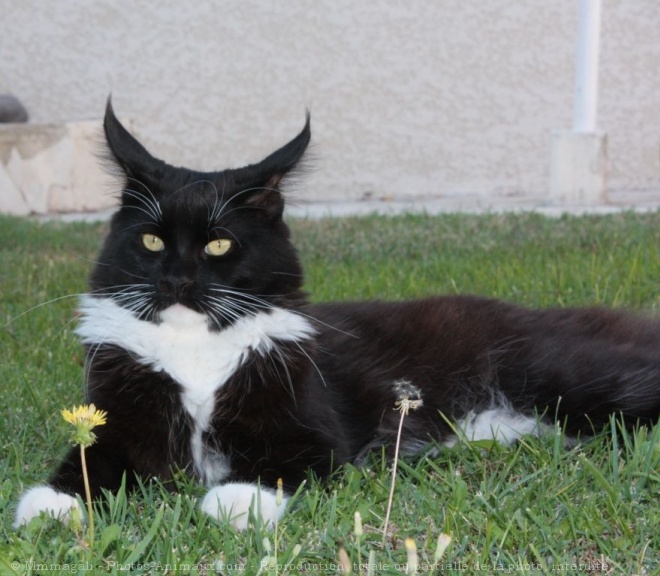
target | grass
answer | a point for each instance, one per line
(532, 508)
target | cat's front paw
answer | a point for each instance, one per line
(233, 502)
(45, 499)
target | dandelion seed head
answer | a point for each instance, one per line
(409, 396)
(406, 389)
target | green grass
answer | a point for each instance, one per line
(532, 508)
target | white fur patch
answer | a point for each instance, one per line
(502, 424)
(44, 499)
(182, 344)
(233, 502)
(200, 360)
(211, 467)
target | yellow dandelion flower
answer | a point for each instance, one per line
(84, 418)
(86, 414)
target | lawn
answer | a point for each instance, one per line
(532, 508)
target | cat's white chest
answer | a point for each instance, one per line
(181, 345)
(201, 361)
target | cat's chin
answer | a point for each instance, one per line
(182, 316)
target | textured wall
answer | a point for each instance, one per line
(408, 98)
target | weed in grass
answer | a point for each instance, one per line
(358, 532)
(408, 398)
(84, 419)
(272, 563)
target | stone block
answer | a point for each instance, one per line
(50, 168)
(578, 169)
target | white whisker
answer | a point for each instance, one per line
(153, 203)
(263, 304)
(221, 211)
(148, 207)
(37, 306)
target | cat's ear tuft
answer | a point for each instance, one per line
(287, 158)
(266, 176)
(126, 151)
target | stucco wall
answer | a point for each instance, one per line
(408, 98)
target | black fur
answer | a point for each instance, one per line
(328, 400)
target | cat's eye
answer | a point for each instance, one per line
(218, 247)
(153, 243)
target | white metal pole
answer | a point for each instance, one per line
(586, 74)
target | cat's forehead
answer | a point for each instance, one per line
(201, 202)
(181, 184)
(190, 204)
(195, 190)
(181, 194)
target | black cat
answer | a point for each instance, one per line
(207, 357)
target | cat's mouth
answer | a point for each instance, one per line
(181, 316)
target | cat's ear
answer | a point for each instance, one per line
(261, 182)
(127, 152)
(282, 161)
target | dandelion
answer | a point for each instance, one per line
(409, 397)
(413, 558)
(444, 540)
(84, 419)
(295, 552)
(358, 531)
(265, 542)
(279, 493)
(371, 563)
(269, 561)
(344, 561)
(279, 498)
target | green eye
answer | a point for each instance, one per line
(152, 243)
(218, 247)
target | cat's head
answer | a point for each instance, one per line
(214, 242)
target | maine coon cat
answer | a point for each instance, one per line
(208, 357)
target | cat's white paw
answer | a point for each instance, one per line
(233, 502)
(45, 499)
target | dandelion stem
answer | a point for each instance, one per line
(395, 465)
(88, 496)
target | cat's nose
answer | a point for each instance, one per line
(176, 286)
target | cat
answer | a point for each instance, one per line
(208, 357)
